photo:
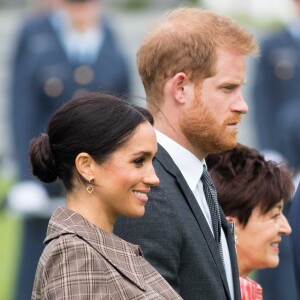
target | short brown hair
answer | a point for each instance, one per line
(245, 180)
(186, 41)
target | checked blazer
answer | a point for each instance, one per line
(81, 261)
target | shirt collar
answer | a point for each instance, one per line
(188, 164)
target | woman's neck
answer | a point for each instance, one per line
(90, 209)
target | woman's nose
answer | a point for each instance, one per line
(285, 227)
(152, 179)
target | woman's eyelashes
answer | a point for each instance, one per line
(139, 161)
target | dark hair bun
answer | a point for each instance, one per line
(43, 164)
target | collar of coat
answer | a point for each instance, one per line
(125, 257)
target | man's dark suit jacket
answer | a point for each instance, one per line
(176, 239)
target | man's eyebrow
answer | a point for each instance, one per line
(232, 83)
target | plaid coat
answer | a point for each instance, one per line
(81, 261)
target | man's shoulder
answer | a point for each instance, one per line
(163, 159)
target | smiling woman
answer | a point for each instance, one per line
(252, 192)
(102, 149)
(122, 182)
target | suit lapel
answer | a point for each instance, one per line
(166, 161)
(232, 253)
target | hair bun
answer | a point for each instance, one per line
(42, 161)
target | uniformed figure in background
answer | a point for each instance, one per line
(276, 100)
(67, 50)
(276, 92)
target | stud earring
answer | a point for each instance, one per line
(89, 188)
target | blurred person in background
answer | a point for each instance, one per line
(252, 192)
(276, 92)
(295, 237)
(67, 50)
(276, 100)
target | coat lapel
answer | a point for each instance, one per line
(166, 161)
(124, 256)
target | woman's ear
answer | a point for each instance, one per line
(230, 219)
(233, 219)
(181, 87)
(83, 164)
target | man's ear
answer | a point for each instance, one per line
(181, 87)
(83, 164)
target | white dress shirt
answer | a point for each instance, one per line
(192, 168)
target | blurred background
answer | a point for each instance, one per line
(129, 20)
